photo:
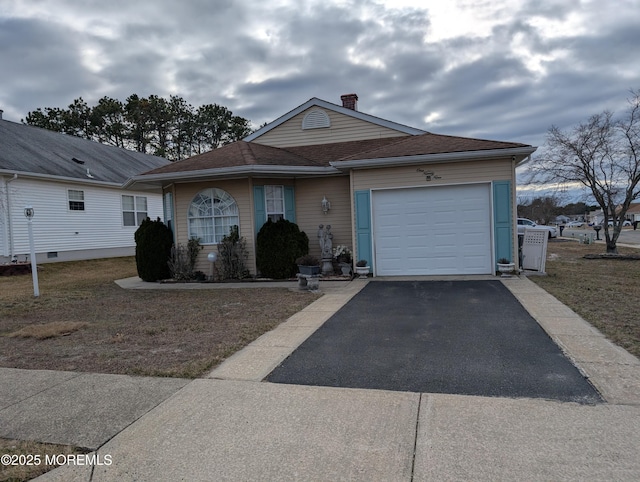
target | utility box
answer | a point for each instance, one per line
(534, 249)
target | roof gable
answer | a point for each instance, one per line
(322, 104)
(35, 151)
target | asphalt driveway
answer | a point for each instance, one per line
(455, 337)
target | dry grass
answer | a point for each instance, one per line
(48, 330)
(179, 333)
(19, 473)
(602, 291)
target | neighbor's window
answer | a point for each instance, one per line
(211, 214)
(76, 200)
(274, 201)
(134, 210)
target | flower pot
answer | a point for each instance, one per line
(506, 269)
(363, 271)
(309, 270)
(346, 268)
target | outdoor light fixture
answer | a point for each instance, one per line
(326, 205)
(29, 213)
(212, 257)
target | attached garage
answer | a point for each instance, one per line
(435, 230)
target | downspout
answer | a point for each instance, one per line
(9, 229)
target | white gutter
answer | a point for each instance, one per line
(51, 177)
(256, 170)
(435, 158)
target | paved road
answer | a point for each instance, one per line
(627, 236)
(456, 337)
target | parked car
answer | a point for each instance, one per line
(527, 223)
(574, 224)
(626, 222)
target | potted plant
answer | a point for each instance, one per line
(362, 269)
(506, 267)
(308, 265)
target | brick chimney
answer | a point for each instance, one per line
(350, 101)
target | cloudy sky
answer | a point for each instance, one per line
(496, 69)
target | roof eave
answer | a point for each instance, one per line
(52, 177)
(231, 172)
(518, 154)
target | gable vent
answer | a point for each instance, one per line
(316, 119)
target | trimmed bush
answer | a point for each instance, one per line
(153, 249)
(278, 246)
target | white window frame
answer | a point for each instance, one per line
(211, 214)
(80, 206)
(272, 202)
(139, 211)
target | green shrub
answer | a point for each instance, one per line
(278, 246)
(153, 248)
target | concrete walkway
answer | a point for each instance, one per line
(231, 426)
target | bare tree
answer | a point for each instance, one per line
(602, 154)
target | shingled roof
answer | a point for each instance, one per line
(35, 151)
(244, 153)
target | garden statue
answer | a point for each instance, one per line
(325, 238)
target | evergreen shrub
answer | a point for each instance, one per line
(153, 249)
(278, 246)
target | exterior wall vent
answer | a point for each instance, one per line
(316, 119)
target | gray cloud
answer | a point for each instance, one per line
(261, 59)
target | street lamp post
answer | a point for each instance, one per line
(28, 213)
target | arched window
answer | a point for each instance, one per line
(211, 214)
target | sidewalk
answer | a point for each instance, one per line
(232, 426)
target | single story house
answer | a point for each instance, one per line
(410, 202)
(633, 213)
(74, 185)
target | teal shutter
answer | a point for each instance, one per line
(502, 224)
(289, 204)
(259, 209)
(363, 226)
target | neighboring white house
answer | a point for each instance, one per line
(75, 188)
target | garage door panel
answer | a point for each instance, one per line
(443, 230)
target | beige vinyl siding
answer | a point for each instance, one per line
(449, 173)
(343, 128)
(239, 190)
(309, 194)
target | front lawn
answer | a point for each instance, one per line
(603, 291)
(83, 321)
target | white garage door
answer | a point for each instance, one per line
(432, 230)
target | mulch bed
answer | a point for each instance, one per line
(613, 256)
(15, 269)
